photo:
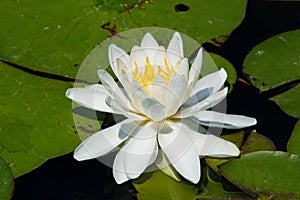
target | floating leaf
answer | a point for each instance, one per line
(6, 181)
(55, 36)
(280, 54)
(157, 185)
(293, 145)
(265, 174)
(257, 142)
(203, 20)
(36, 120)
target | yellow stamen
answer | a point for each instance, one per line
(147, 78)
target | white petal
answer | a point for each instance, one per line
(209, 102)
(214, 80)
(183, 68)
(175, 49)
(146, 104)
(217, 147)
(207, 144)
(149, 41)
(150, 46)
(216, 119)
(114, 54)
(198, 97)
(123, 110)
(104, 141)
(196, 67)
(137, 58)
(180, 151)
(119, 169)
(140, 151)
(160, 56)
(172, 95)
(175, 93)
(111, 86)
(98, 87)
(90, 98)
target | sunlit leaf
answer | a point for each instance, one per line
(36, 120)
(55, 36)
(263, 174)
(257, 142)
(275, 62)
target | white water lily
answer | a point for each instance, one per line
(164, 104)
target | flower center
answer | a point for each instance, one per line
(147, 77)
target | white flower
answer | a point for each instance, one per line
(164, 104)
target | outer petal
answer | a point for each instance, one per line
(209, 102)
(207, 144)
(216, 119)
(196, 67)
(205, 86)
(114, 54)
(90, 97)
(180, 151)
(198, 97)
(214, 80)
(119, 168)
(116, 93)
(104, 141)
(175, 49)
(215, 146)
(140, 151)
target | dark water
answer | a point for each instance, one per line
(65, 178)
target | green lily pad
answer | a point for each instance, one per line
(257, 142)
(55, 36)
(36, 120)
(203, 20)
(293, 145)
(265, 174)
(6, 181)
(275, 62)
(158, 185)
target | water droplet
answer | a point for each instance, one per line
(259, 52)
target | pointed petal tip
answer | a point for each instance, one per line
(120, 176)
(80, 155)
(149, 41)
(111, 46)
(223, 71)
(101, 72)
(69, 93)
